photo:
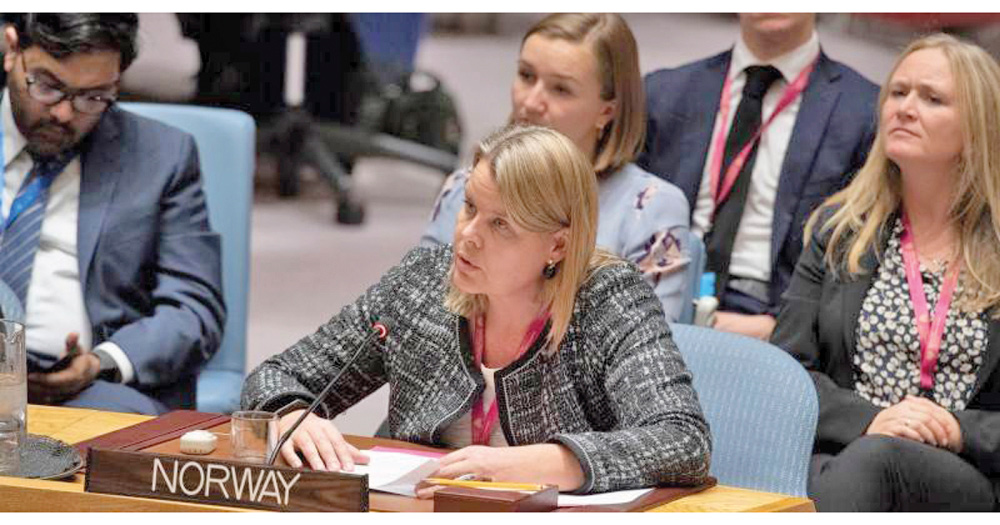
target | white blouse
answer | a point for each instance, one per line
(459, 433)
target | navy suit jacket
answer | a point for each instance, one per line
(150, 265)
(833, 132)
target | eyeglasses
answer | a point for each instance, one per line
(90, 102)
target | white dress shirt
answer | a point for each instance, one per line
(54, 303)
(751, 256)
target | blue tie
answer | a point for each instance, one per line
(23, 227)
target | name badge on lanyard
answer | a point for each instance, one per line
(791, 92)
(930, 329)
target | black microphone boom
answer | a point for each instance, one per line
(380, 330)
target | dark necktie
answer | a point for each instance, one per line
(719, 245)
(20, 237)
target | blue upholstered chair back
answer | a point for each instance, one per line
(761, 406)
(226, 142)
(696, 250)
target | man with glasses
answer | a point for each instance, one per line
(104, 233)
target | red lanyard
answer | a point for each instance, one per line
(482, 426)
(931, 329)
(792, 91)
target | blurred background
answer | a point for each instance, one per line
(322, 232)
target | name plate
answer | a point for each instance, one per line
(223, 482)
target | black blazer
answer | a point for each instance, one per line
(817, 325)
(833, 132)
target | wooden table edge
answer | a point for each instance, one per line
(70, 493)
(33, 495)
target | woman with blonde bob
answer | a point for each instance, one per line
(538, 357)
(893, 307)
(578, 73)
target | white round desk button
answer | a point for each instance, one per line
(198, 442)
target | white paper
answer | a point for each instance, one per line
(399, 473)
(606, 498)
(396, 472)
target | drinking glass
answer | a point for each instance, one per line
(13, 396)
(254, 434)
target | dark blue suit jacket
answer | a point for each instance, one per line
(833, 132)
(150, 265)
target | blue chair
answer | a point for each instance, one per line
(226, 151)
(696, 250)
(761, 406)
(389, 40)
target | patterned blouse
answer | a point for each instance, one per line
(887, 360)
(642, 219)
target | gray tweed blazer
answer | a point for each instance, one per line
(616, 393)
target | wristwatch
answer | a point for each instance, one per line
(109, 368)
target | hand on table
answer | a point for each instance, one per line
(55, 387)
(544, 463)
(919, 419)
(757, 326)
(322, 445)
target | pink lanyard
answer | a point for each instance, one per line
(792, 91)
(482, 426)
(931, 330)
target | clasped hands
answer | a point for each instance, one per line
(56, 387)
(921, 420)
(324, 448)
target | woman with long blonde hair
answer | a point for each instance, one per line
(537, 357)
(893, 307)
(578, 73)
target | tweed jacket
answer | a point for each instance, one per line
(616, 392)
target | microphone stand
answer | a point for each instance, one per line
(380, 330)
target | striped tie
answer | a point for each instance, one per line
(23, 226)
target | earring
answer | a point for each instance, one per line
(550, 270)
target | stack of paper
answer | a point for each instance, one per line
(398, 471)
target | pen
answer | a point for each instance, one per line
(484, 484)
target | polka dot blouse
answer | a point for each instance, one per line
(887, 356)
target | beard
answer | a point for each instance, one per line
(46, 136)
(49, 139)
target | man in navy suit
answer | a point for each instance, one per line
(701, 119)
(106, 239)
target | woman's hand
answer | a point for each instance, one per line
(322, 445)
(919, 419)
(543, 464)
(756, 326)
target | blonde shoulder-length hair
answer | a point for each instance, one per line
(862, 209)
(546, 184)
(614, 47)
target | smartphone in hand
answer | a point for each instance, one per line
(34, 366)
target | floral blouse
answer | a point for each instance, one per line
(887, 360)
(642, 218)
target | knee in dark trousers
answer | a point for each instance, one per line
(882, 473)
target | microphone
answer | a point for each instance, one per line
(379, 330)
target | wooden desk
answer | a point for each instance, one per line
(74, 425)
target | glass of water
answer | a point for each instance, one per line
(13, 396)
(254, 434)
